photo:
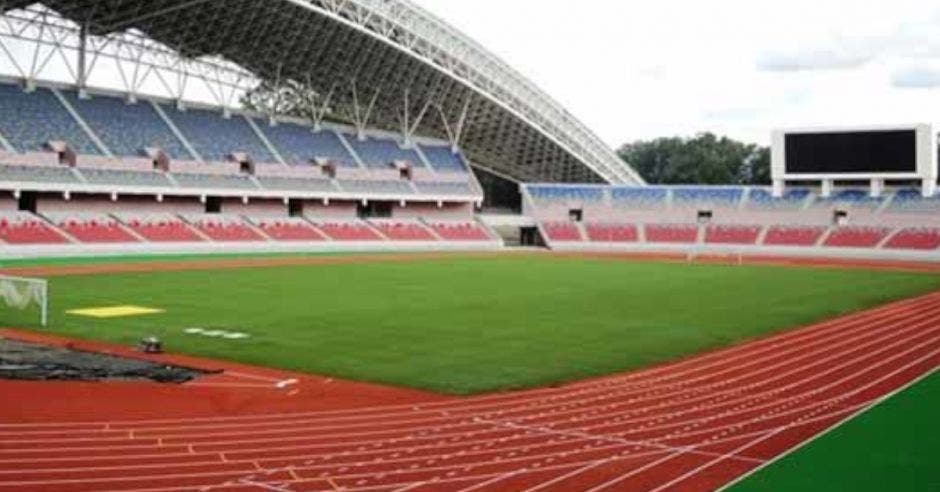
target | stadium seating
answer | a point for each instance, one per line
(37, 174)
(856, 237)
(850, 198)
(379, 187)
(347, 231)
(288, 229)
(380, 153)
(445, 188)
(443, 158)
(612, 233)
(563, 193)
(639, 198)
(919, 238)
(161, 228)
(125, 177)
(30, 120)
(25, 228)
(220, 181)
(404, 231)
(672, 233)
(225, 228)
(94, 228)
(300, 146)
(127, 129)
(696, 197)
(562, 231)
(215, 138)
(910, 200)
(732, 234)
(793, 235)
(794, 198)
(459, 231)
(282, 183)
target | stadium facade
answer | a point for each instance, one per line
(302, 125)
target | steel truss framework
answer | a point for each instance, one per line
(376, 63)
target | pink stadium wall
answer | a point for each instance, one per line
(450, 211)
(125, 204)
(257, 207)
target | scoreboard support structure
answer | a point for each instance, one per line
(879, 155)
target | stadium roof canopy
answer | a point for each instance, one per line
(377, 63)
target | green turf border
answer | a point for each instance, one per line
(743, 482)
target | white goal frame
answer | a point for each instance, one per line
(40, 289)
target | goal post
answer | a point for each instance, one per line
(23, 293)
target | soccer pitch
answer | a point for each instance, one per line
(465, 325)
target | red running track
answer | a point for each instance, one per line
(692, 425)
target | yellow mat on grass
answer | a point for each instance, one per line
(114, 311)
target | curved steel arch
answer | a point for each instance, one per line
(378, 63)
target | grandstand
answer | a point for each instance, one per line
(380, 163)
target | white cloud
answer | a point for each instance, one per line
(634, 70)
(917, 78)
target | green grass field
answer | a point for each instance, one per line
(469, 325)
(894, 446)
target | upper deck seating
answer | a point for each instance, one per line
(562, 231)
(795, 235)
(612, 233)
(794, 198)
(37, 174)
(563, 194)
(282, 183)
(443, 158)
(219, 181)
(672, 233)
(851, 198)
(459, 231)
(101, 176)
(26, 228)
(30, 120)
(161, 228)
(93, 228)
(215, 137)
(444, 188)
(381, 153)
(699, 197)
(300, 146)
(639, 198)
(910, 200)
(379, 187)
(856, 237)
(127, 129)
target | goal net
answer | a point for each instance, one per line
(24, 300)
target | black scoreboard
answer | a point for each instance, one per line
(851, 152)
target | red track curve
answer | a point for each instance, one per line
(692, 425)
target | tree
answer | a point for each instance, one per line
(703, 159)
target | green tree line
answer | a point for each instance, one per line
(703, 159)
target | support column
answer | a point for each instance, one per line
(826, 188)
(877, 188)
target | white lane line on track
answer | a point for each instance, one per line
(491, 475)
(697, 389)
(832, 428)
(884, 348)
(769, 343)
(808, 407)
(523, 458)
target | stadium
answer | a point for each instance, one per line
(310, 245)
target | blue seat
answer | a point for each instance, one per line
(380, 153)
(127, 129)
(30, 120)
(215, 138)
(444, 159)
(300, 146)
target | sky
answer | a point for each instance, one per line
(643, 69)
